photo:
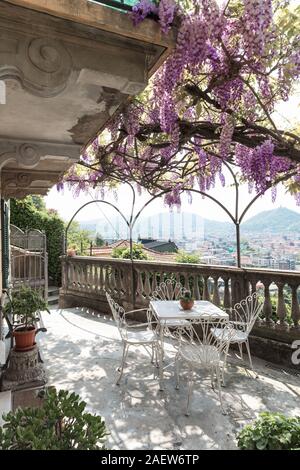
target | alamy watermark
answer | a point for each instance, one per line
(2, 92)
(296, 353)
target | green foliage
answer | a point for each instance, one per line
(187, 296)
(25, 304)
(99, 240)
(60, 424)
(184, 257)
(271, 431)
(38, 203)
(78, 238)
(124, 253)
(23, 214)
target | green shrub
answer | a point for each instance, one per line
(271, 431)
(189, 258)
(60, 424)
(23, 214)
(124, 253)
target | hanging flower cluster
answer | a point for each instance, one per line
(209, 105)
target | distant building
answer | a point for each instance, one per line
(107, 251)
(160, 246)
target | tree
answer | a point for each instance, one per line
(124, 252)
(185, 257)
(38, 202)
(78, 238)
(99, 240)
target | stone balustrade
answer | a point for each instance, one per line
(86, 279)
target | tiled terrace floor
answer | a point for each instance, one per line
(82, 353)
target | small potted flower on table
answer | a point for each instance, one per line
(187, 300)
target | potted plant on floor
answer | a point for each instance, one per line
(25, 306)
(60, 422)
(187, 300)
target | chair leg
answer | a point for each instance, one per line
(177, 372)
(240, 345)
(121, 368)
(250, 358)
(153, 353)
(156, 353)
(212, 379)
(190, 386)
(225, 364)
(218, 374)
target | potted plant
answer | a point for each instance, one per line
(25, 305)
(71, 251)
(59, 422)
(187, 300)
(271, 431)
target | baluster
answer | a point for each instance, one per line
(88, 277)
(267, 309)
(101, 281)
(154, 281)
(96, 279)
(295, 307)
(253, 286)
(196, 287)
(92, 277)
(118, 282)
(84, 277)
(227, 299)
(186, 281)
(66, 275)
(112, 280)
(107, 274)
(76, 268)
(281, 309)
(216, 295)
(139, 285)
(147, 285)
(206, 295)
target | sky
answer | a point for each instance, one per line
(67, 205)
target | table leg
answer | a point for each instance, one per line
(161, 357)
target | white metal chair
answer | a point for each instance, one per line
(133, 334)
(201, 351)
(242, 318)
(170, 290)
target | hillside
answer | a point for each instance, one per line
(280, 220)
(276, 220)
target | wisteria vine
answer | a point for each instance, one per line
(211, 103)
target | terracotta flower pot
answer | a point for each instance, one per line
(71, 252)
(186, 304)
(24, 338)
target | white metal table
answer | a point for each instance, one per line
(167, 311)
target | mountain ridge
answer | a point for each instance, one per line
(276, 220)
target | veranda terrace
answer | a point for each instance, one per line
(82, 350)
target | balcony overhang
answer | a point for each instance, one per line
(67, 67)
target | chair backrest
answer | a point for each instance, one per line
(168, 290)
(207, 346)
(118, 314)
(246, 312)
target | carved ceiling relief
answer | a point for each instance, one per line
(26, 154)
(18, 184)
(42, 66)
